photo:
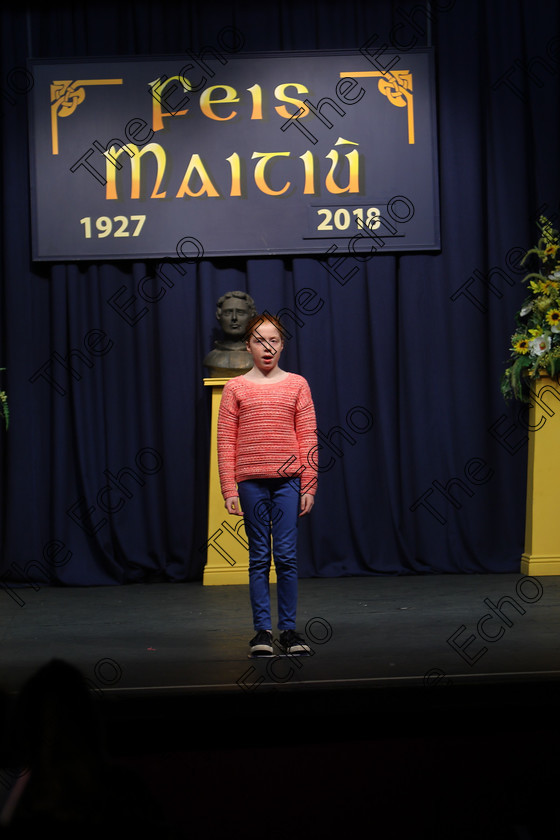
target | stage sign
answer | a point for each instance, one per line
(229, 153)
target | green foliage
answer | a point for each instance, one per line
(4, 406)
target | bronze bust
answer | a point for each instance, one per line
(229, 356)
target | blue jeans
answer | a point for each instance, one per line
(271, 509)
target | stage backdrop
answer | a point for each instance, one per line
(105, 463)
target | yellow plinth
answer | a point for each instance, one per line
(542, 534)
(227, 560)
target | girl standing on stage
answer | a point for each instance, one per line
(267, 443)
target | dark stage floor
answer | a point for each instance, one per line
(420, 737)
(170, 639)
(384, 635)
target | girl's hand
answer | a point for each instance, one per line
(306, 503)
(233, 506)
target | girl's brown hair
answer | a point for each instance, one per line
(256, 322)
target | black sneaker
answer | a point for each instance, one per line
(261, 645)
(294, 644)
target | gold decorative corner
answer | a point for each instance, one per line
(65, 98)
(397, 87)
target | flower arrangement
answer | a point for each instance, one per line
(535, 345)
(4, 406)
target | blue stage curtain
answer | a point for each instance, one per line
(423, 465)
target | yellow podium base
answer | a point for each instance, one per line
(542, 536)
(538, 566)
(227, 558)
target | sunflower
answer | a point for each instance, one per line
(550, 251)
(553, 317)
(521, 346)
(539, 287)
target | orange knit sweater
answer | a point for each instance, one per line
(266, 431)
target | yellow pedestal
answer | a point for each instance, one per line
(227, 548)
(542, 534)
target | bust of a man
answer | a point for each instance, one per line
(229, 356)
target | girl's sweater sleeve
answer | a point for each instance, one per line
(228, 422)
(306, 432)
